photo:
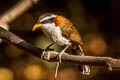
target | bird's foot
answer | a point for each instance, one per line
(109, 66)
(43, 53)
(59, 55)
(47, 49)
(86, 70)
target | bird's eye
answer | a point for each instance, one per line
(45, 21)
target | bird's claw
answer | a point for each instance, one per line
(43, 53)
(59, 56)
(109, 66)
(42, 56)
(86, 70)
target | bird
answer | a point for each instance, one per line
(63, 33)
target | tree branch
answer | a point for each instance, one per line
(51, 56)
(18, 9)
(14, 12)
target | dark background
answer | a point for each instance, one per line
(97, 21)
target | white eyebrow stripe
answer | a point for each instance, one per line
(48, 17)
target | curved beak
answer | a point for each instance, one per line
(36, 26)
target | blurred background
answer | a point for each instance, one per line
(97, 21)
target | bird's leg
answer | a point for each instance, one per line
(81, 53)
(47, 48)
(59, 58)
(62, 52)
(86, 68)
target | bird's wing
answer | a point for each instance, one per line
(69, 31)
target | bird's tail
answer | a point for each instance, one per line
(84, 69)
(77, 50)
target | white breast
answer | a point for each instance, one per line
(55, 34)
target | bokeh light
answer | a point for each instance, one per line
(33, 72)
(6, 74)
(95, 44)
(67, 74)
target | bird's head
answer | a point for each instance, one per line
(47, 20)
